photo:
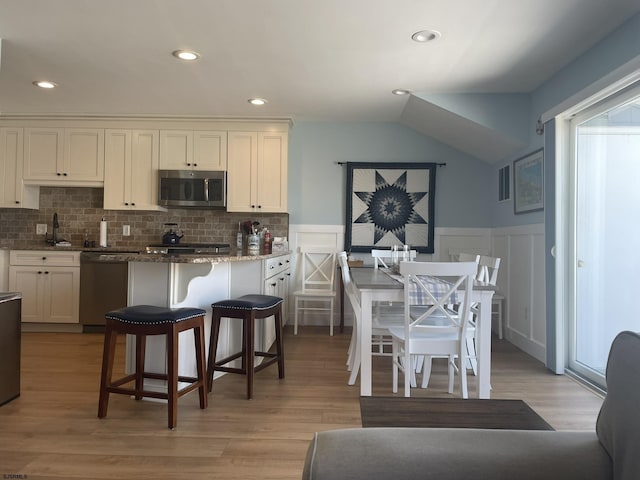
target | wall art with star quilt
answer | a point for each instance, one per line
(390, 204)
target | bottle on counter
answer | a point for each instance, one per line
(239, 237)
(253, 243)
(267, 241)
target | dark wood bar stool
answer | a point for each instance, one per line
(247, 308)
(143, 320)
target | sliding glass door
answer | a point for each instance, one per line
(605, 259)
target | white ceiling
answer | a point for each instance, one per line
(320, 60)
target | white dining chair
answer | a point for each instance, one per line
(317, 292)
(379, 326)
(468, 257)
(431, 327)
(488, 272)
(382, 259)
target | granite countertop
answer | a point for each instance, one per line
(233, 256)
(133, 254)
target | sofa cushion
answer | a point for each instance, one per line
(618, 425)
(455, 454)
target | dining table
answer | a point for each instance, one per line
(374, 285)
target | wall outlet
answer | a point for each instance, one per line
(126, 230)
(41, 228)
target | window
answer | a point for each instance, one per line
(504, 183)
(603, 260)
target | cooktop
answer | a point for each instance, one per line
(197, 248)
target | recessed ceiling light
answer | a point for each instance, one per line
(424, 36)
(400, 91)
(257, 101)
(186, 55)
(45, 84)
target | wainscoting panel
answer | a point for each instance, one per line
(521, 281)
(451, 241)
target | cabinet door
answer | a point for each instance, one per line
(43, 154)
(13, 192)
(131, 171)
(117, 179)
(272, 172)
(209, 150)
(29, 281)
(241, 171)
(282, 291)
(62, 295)
(144, 170)
(176, 149)
(84, 154)
(10, 155)
(269, 332)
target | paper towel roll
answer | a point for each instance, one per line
(103, 233)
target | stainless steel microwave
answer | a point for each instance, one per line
(192, 188)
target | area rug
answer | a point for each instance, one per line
(449, 413)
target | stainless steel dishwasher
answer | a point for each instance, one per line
(103, 287)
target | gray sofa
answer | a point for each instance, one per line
(612, 452)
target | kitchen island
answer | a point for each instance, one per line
(193, 280)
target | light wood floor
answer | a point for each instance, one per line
(51, 430)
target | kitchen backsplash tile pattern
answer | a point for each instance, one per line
(80, 210)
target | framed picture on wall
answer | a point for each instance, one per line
(390, 204)
(528, 183)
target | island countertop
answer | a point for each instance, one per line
(233, 256)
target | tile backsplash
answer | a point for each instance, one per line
(80, 210)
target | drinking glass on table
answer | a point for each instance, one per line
(406, 253)
(395, 260)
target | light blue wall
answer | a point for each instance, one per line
(466, 189)
(618, 48)
(317, 184)
(614, 51)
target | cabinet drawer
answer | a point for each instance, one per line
(44, 257)
(274, 266)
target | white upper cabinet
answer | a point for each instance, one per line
(193, 150)
(64, 156)
(257, 172)
(131, 171)
(13, 192)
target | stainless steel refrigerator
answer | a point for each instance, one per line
(10, 312)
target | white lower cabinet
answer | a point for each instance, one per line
(276, 282)
(49, 282)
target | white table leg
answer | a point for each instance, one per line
(484, 345)
(366, 306)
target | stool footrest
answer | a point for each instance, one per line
(114, 387)
(230, 358)
(265, 364)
